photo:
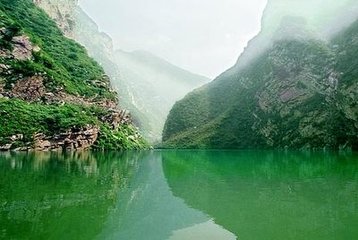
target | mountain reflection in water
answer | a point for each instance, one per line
(178, 195)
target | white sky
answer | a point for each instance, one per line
(202, 36)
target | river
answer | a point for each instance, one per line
(179, 195)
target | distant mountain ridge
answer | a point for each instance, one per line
(165, 66)
(154, 85)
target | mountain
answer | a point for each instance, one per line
(53, 96)
(294, 86)
(144, 82)
(154, 85)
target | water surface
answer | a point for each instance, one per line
(179, 195)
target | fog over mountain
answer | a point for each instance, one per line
(294, 86)
(320, 19)
(204, 37)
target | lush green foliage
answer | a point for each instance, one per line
(284, 98)
(119, 139)
(20, 117)
(64, 65)
(65, 61)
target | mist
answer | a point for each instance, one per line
(324, 17)
(204, 37)
(300, 19)
(179, 119)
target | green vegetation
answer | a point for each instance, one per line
(65, 67)
(284, 98)
(121, 138)
(65, 61)
(20, 117)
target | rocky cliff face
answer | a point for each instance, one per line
(291, 88)
(53, 96)
(62, 12)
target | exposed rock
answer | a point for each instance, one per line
(22, 149)
(62, 12)
(19, 47)
(22, 47)
(16, 137)
(289, 94)
(36, 49)
(4, 68)
(59, 96)
(2, 85)
(33, 89)
(5, 147)
(73, 139)
(4, 53)
(116, 118)
(11, 141)
(29, 89)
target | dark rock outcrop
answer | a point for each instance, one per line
(23, 48)
(29, 89)
(12, 140)
(73, 139)
(116, 118)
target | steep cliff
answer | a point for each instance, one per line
(62, 12)
(53, 96)
(294, 86)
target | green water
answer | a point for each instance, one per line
(179, 195)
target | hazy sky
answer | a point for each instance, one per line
(203, 36)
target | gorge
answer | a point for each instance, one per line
(143, 81)
(290, 88)
(101, 141)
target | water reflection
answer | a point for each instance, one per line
(71, 162)
(94, 196)
(176, 195)
(208, 230)
(60, 196)
(270, 195)
(148, 210)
